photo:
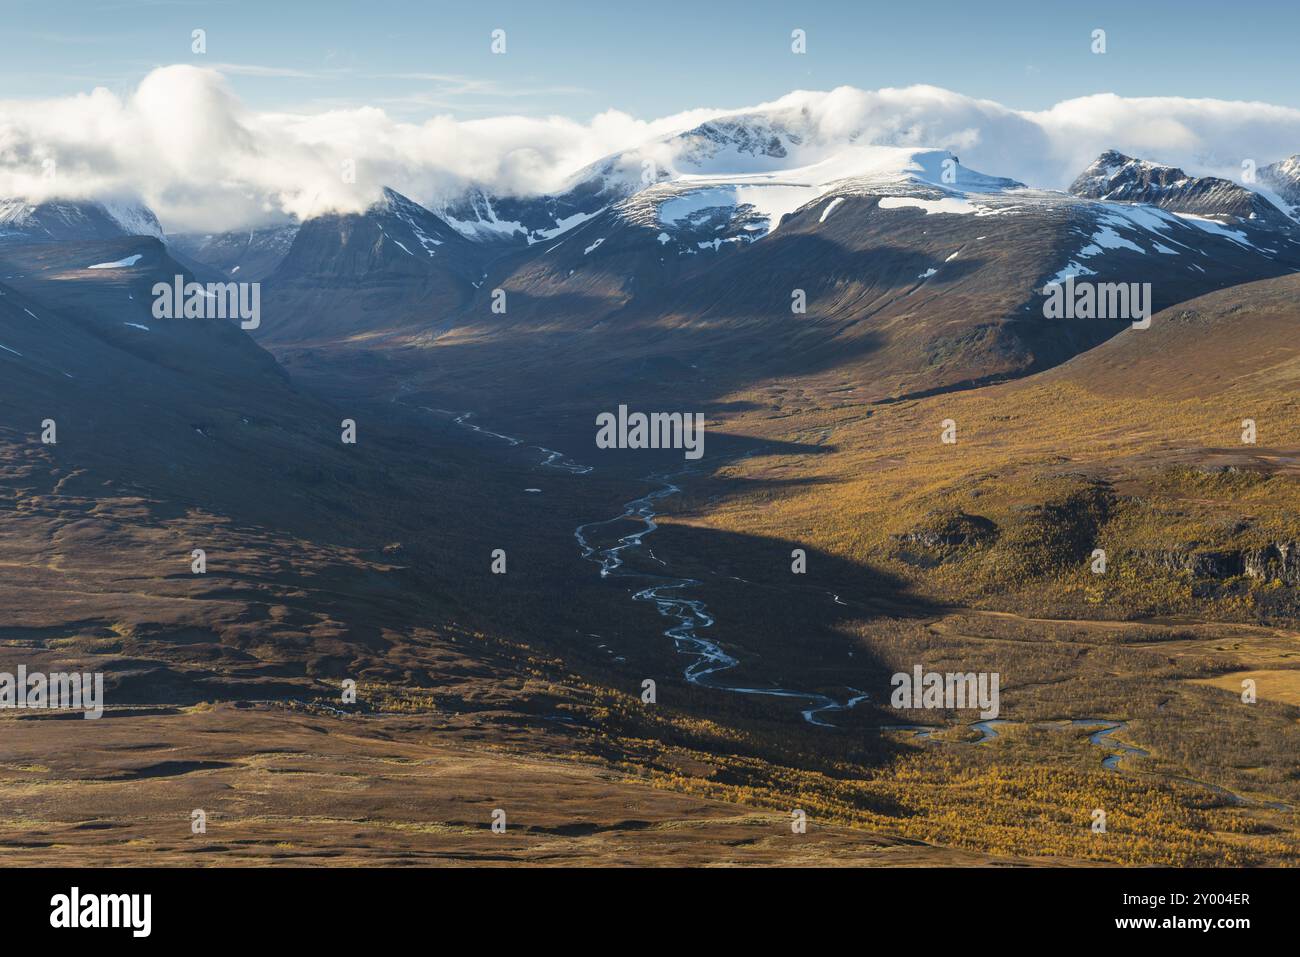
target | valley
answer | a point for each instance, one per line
(497, 585)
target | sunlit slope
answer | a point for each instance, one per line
(1138, 447)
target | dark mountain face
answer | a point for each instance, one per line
(396, 236)
(190, 406)
(248, 255)
(190, 410)
(396, 263)
(1114, 176)
(178, 434)
(106, 289)
(63, 221)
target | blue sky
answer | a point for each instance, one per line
(417, 58)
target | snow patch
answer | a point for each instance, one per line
(1108, 238)
(561, 226)
(768, 201)
(830, 208)
(948, 204)
(1217, 228)
(121, 263)
(1071, 269)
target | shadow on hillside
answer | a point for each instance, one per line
(801, 641)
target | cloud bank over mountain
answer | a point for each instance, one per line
(185, 144)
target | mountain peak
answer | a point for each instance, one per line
(391, 201)
(1282, 179)
(395, 237)
(61, 220)
(1112, 158)
(1115, 177)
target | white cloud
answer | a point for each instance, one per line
(1049, 148)
(190, 149)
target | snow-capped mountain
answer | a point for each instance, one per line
(63, 220)
(484, 217)
(1114, 176)
(730, 180)
(934, 270)
(703, 211)
(1282, 181)
(746, 146)
(395, 235)
(1107, 212)
(931, 272)
(523, 220)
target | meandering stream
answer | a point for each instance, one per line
(690, 615)
(711, 661)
